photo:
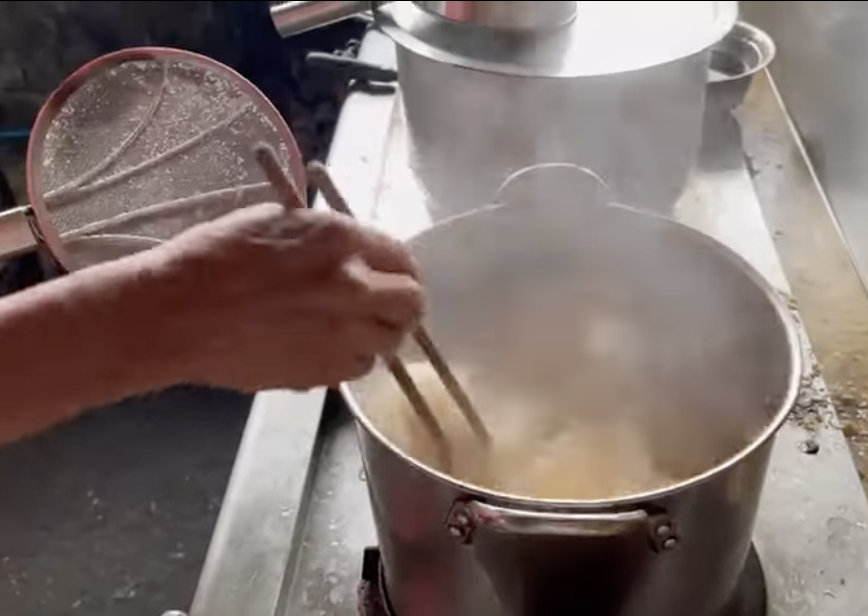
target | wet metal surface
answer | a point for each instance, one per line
(339, 527)
(112, 514)
(811, 533)
(820, 72)
(831, 298)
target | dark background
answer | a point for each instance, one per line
(112, 513)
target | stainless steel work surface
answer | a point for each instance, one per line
(296, 516)
(819, 70)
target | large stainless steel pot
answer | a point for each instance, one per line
(492, 87)
(620, 89)
(705, 331)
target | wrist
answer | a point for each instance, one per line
(118, 321)
(84, 340)
(153, 331)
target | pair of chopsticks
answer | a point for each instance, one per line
(319, 177)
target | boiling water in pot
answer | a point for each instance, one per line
(537, 450)
(580, 403)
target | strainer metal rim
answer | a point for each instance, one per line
(45, 229)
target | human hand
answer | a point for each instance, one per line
(266, 297)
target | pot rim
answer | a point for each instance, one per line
(796, 361)
(415, 29)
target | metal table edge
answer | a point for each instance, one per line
(252, 547)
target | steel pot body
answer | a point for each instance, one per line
(469, 130)
(712, 340)
(477, 113)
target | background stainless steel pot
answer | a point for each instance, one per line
(619, 89)
(492, 87)
(707, 336)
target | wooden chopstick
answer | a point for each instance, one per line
(282, 183)
(320, 178)
(290, 198)
(437, 361)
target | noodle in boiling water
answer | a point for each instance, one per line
(533, 454)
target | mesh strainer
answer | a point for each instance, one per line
(138, 146)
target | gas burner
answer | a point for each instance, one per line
(749, 599)
(372, 598)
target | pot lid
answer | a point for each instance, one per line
(604, 38)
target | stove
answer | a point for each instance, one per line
(295, 532)
(749, 597)
(372, 591)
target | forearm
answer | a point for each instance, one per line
(78, 342)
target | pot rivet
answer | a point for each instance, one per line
(456, 532)
(664, 530)
(670, 543)
(461, 519)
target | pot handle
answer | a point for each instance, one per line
(562, 184)
(466, 517)
(562, 564)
